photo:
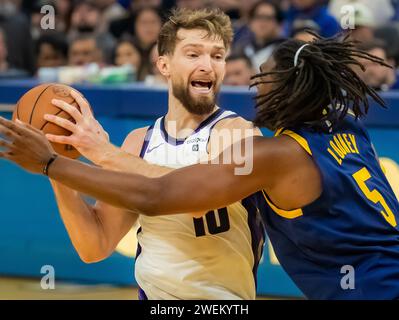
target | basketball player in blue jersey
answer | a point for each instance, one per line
(212, 255)
(327, 205)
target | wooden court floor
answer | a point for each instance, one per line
(30, 289)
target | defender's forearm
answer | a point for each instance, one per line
(190, 189)
(117, 159)
(128, 191)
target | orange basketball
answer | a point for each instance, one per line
(34, 104)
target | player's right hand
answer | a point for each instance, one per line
(88, 136)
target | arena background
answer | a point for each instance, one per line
(32, 235)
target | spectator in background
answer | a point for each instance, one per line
(86, 18)
(52, 50)
(35, 18)
(265, 25)
(122, 26)
(300, 30)
(390, 34)
(230, 7)
(364, 23)
(110, 10)
(18, 38)
(6, 70)
(3, 53)
(85, 49)
(127, 53)
(315, 10)
(154, 77)
(383, 10)
(375, 75)
(192, 4)
(136, 5)
(238, 70)
(244, 9)
(126, 25)
(147, 25)
(63, 11)
(240, 25)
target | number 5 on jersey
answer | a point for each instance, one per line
(374, 196)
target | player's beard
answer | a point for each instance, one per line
(196, 105)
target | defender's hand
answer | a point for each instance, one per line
(88, 136)
(24, 145)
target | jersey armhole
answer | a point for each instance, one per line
(288, 214)
(298, 138)
(146, 141)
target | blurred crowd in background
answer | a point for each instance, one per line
(123, 33)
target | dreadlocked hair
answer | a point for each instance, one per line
(320, 90)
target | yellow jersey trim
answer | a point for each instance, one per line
(288, 214)
(301, 140)
(278, 132)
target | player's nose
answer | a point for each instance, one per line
(205, 63)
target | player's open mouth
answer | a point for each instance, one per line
(201, 86)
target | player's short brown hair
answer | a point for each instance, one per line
(214, 21)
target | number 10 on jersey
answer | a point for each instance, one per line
(210, 221)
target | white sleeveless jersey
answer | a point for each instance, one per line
(182, 257)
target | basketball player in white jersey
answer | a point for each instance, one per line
(209, 255)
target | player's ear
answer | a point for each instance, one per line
(163, 65)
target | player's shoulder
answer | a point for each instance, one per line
(137, 133)
(234, 122)
(237, 123)
(229, 131)
(134, 140)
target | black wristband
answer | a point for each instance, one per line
(47, 166)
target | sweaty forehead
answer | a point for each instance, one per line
(198, 37)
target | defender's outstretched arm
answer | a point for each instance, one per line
(194, 188)
(273, 162)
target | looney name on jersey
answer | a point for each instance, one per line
(341, 145)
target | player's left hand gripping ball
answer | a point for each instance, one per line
(88, 136)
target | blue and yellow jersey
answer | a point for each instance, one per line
(344, 245)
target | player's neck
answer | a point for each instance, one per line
(179, 120)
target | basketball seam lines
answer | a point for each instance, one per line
(34, 106)
(45, 124)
